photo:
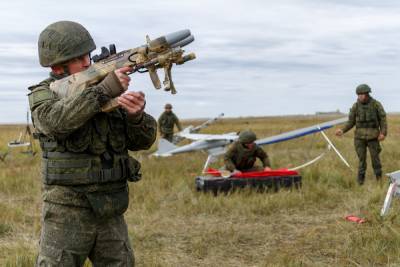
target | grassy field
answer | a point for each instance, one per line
(170, 224)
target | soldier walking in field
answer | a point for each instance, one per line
(166, 123)
(85, 166)
(369, 117)
(242, 154)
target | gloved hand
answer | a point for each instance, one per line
(112, 85)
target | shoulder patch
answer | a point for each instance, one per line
(39, 95)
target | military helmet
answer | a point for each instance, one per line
(168, 106)
(62, 41)
(247, 136)
(363, 89)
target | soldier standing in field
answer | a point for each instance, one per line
(85, 164)
(166, 123)
(369, 117)
(243, 153)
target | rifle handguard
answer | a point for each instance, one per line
(161, 52)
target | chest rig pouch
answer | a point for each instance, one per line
(366, 116)
(93, 154)
(245, 157)
(70, 169)
(167, 123)
(111, 202)
(100, 178)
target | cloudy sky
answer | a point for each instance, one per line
(253, 57)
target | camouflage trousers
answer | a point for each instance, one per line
(71, 234)
(374, 148)
(168, 136)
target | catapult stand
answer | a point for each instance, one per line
(394, 190)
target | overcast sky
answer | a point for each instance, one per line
(253, 57)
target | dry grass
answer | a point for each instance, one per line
(170, 224)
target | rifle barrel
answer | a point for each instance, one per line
(177, 36)
(184, 42)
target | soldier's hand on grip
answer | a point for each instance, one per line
(381, 137)
(123, 77)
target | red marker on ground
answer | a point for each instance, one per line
(355, 219)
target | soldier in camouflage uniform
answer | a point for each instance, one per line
(369, 117)
(85, 165)
(166, 123)
(243, 153)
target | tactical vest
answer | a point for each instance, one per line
(244, 158)
(93, 154)
(167, 122)
(367, 115)
(90, 166)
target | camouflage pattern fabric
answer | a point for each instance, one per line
(166, 123)
(247, 136)
(243, 159)
(370, 120)
(363, 89)
(62, 41)
(85, 169)
(71, 234)
(374, 148)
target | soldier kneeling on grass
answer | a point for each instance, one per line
(369, 117)
(243, 153)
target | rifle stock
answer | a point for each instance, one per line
(162, 52)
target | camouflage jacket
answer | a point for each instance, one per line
(166, 122)
(240, 158)
(368, 118)
(85, 152)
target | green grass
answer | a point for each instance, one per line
(171, 224)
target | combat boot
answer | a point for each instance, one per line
(360, 179)
(380, 181)
(378, 175)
